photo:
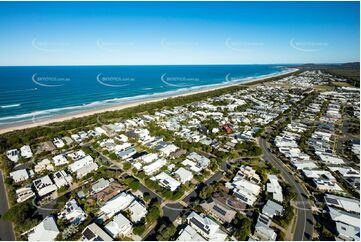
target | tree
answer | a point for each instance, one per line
(205, 192)
(243, 225)
(126, 166)
(138, 229)
(166, 232)
(146, 197)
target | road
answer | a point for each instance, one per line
(6, 228)
(304, 228)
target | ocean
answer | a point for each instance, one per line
(34, 93)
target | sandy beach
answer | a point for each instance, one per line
(65, 117)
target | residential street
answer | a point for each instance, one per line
(304, 228)
(6, 228)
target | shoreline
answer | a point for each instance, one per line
(117, 107)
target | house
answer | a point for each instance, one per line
(44, 186)
(262, 229)
(137, 211)
(275, 188)
(119, 226)
(206, 227)
(116, 204)
(25, 152)
(347, 204)
(87, 160)
(146, 159)
(23, 194)
(43, 165)
(166, 151)
(125, 154)
(347, 224)
(154, 167)
(108, 193)
(86, 170)
(13, 155)
(94, 233)
(183, 175)
(272, 209)
(72, 212)
(245, 186)
(101, 184)
(167, 181)
(327, 185)
(61, 178)
(19, 175)
(77, 155)
(219, 210)
(83, 166)
(45, 231)
(189, 234)
(58, 143)
(60, 160)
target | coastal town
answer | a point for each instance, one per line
(272, 160)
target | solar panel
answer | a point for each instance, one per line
(219, 210)
(88, 234)
(199, 225)
(332, 200)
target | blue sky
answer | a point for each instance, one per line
(112, 33)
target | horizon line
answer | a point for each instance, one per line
(185, 64)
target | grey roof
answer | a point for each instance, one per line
(272, 208)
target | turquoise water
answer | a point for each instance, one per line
(30, 94)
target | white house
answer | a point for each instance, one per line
(44, 186)
(13, 155)
(43, 165)
(137, 211)
(347, 224)
(183, 175)
(23, 194)
(58, 143)
(275, 188)
(60, 160)
(167, 181)
(166, 151)
(72, 212)
(26, 151)
(119, 226)
(116, 204)
(94, 233)
(154, 167)
(45, 231)
(206, 227)
(87, 160)
(19, 175)
(189, 234)
(61, 178)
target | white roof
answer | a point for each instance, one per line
(167, 181)
(119, 225)
(348, 204)
(338, 215)
(184, 175)
(189, 234)
(117, 203)
(45, 231)
(80, 163)
(60, 160)
(19, 175)
(44, 185)
(155, 166)
(137, 211)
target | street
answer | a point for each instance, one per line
(6, 228)
(304, 229)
